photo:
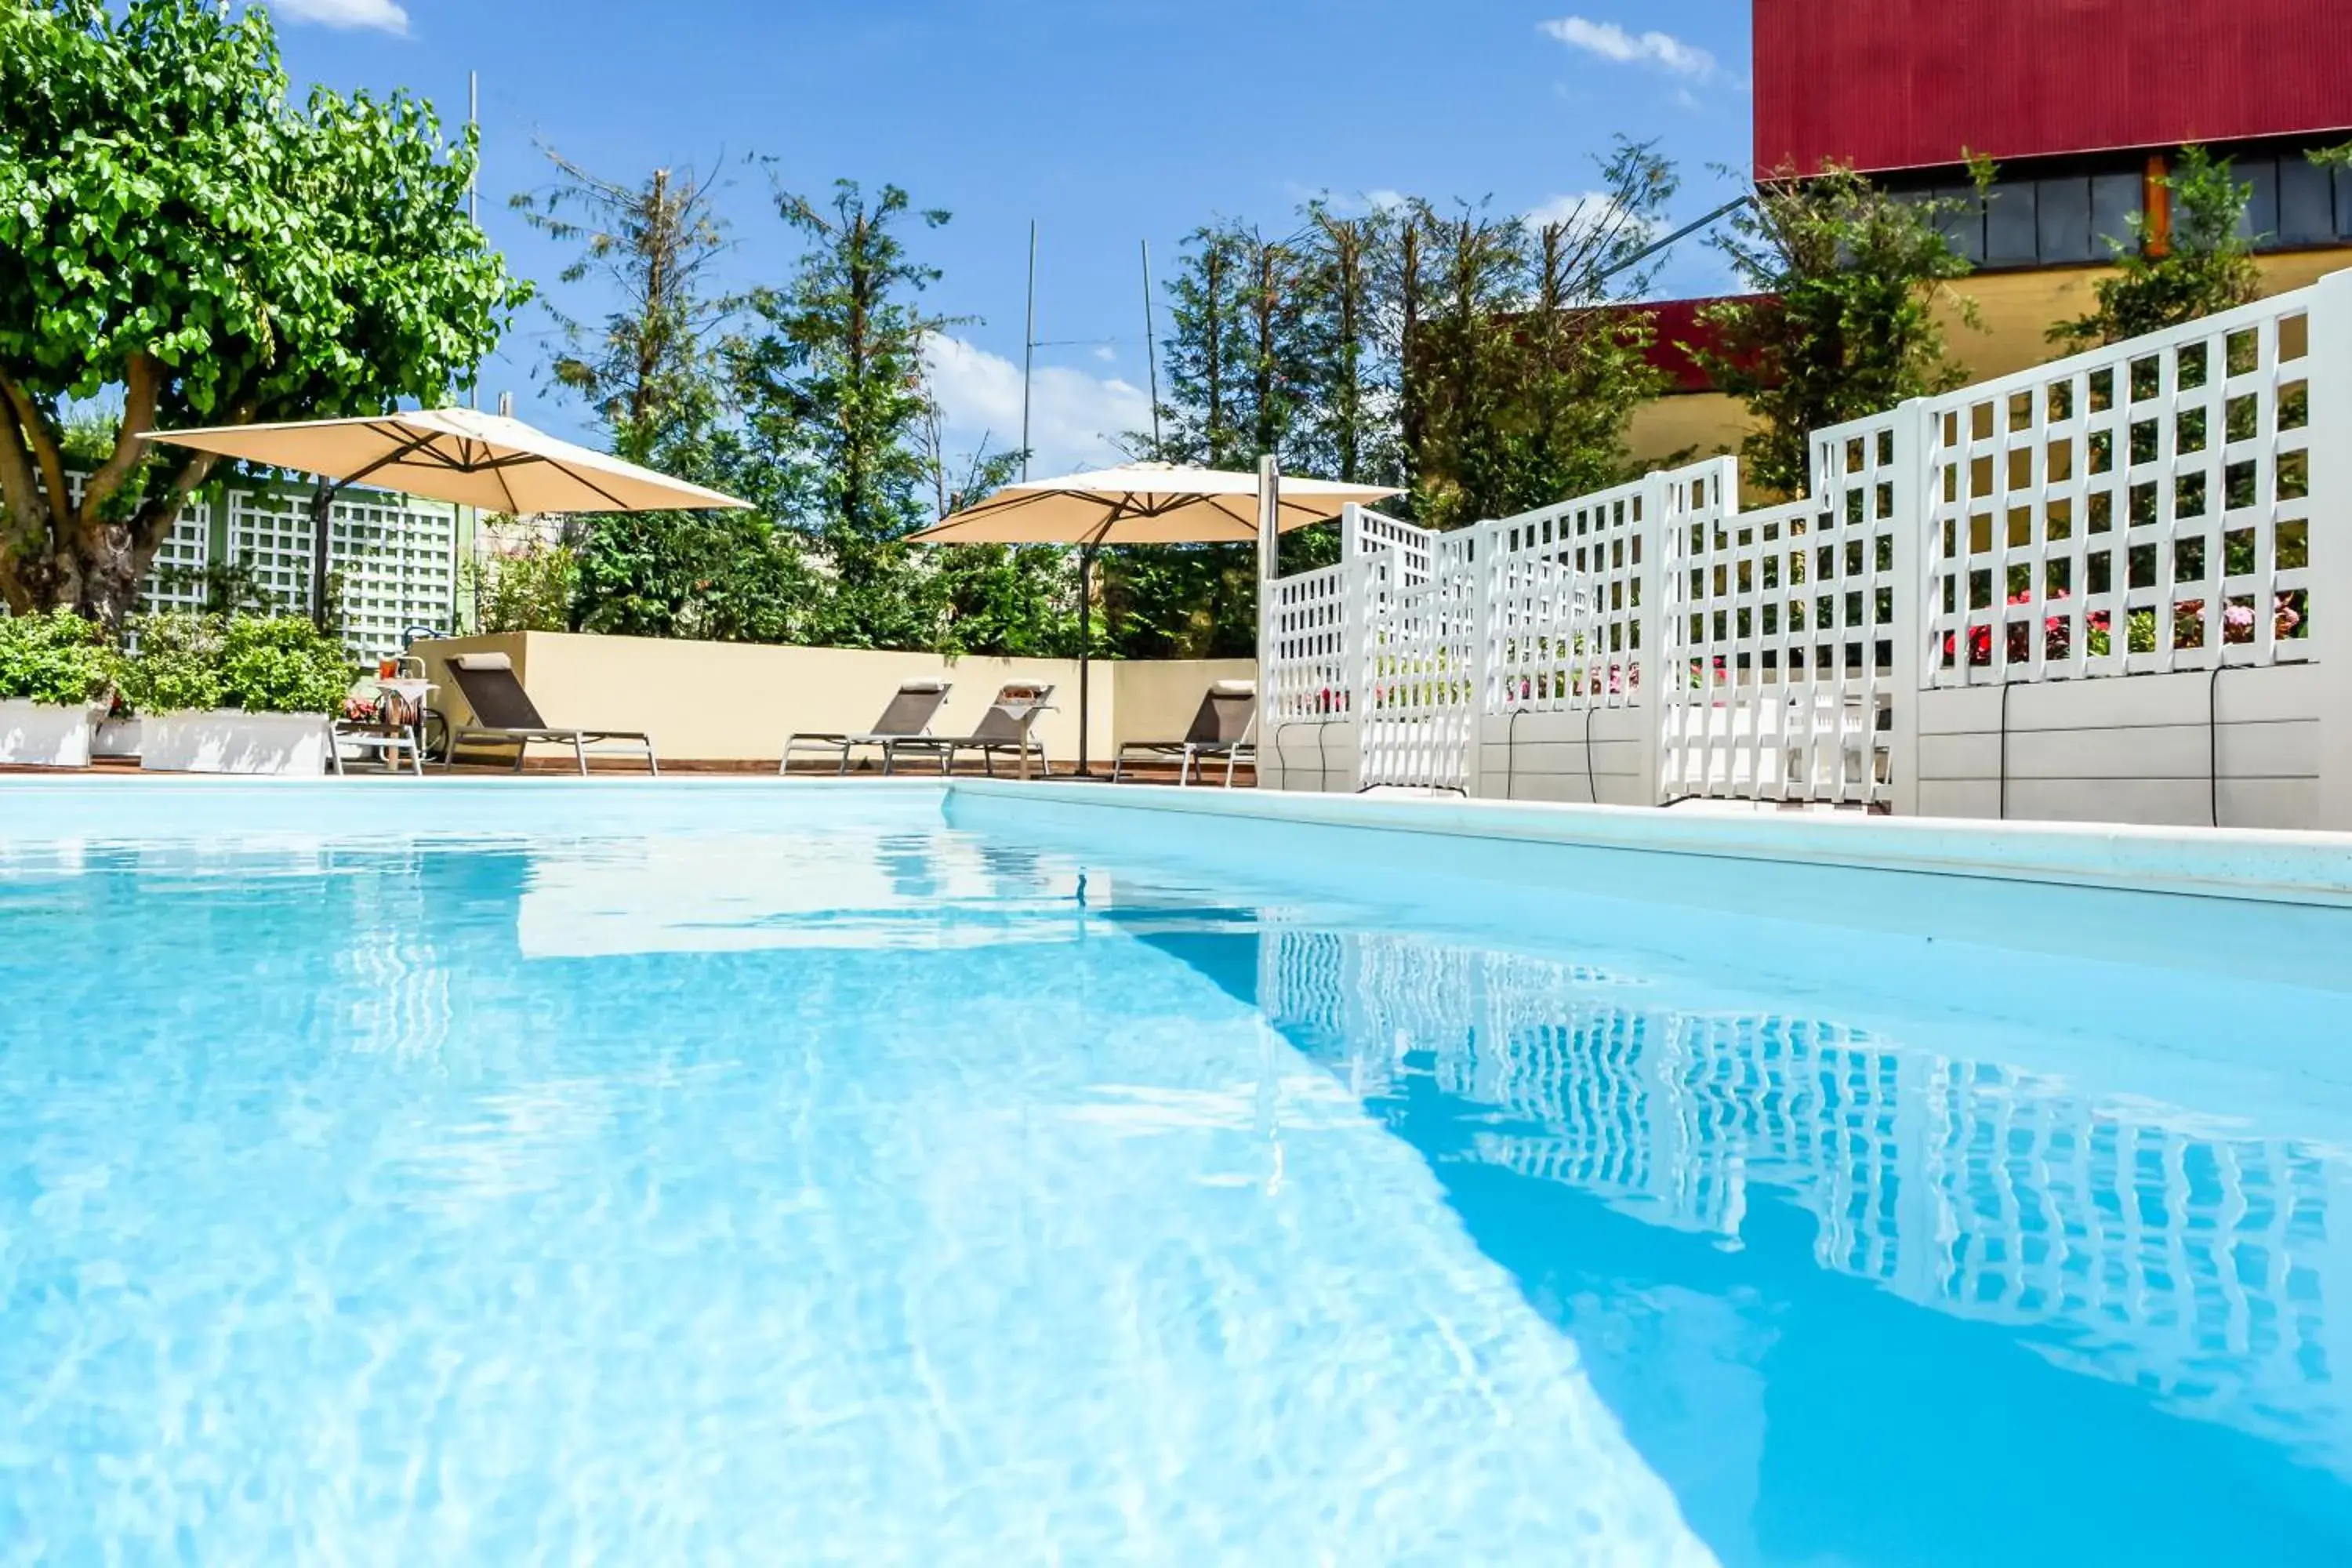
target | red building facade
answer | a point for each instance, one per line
(2080, 102)
(1887, 85)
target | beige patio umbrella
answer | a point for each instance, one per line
(459, 454)
(1147, 503)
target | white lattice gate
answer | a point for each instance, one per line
(1779, 630)
(1420, 684)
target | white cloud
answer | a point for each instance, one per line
(383, 15)
(1612, 42)
(1591, 209)
(1076, 418)
(1106, 353)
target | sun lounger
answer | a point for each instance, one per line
(1221, 729)
(504, 715)
(907, 717)
(1005, 727)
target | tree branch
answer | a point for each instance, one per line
(44, 446)
(142, 385)
(16, 480)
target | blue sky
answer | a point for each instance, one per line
(1108, 124)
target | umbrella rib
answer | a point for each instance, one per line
(578, 477)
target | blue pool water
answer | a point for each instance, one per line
(699, 1173)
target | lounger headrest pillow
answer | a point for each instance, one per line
(1234, 687)
(924, 688)
(481, 661)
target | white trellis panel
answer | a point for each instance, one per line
(1365, 532)
(397, 558)
(1308, 676)
(175, 581)
(1563, 604)
(1419, 687)
(2139, 508)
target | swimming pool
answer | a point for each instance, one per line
(704, 1171)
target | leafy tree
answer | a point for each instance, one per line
(834, 397)
(2199, 264)
(651, 367)
(174, 232)
(1846, 278)
(1524, 362)
(1207, 355)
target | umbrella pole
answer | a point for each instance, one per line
(1085, 647)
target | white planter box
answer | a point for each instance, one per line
(37, 736)
(227, 742)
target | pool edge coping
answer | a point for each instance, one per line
(2268, 866)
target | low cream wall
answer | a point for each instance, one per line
(737, 702)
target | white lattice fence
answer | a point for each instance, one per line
(2137, 509)
(1563, 595)
(1307, 674)
(1364, 532)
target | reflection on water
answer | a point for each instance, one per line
(2184, 1261)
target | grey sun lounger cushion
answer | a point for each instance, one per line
(909, 713)
(1221, 727)
(504, 715)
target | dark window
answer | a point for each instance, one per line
(2262, 217)
(2114, 199)
(2343, 203)
(2064, 220)
(2306, 205)
(1962, 220)
(2009, 222)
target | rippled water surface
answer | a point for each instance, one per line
(704, 1174)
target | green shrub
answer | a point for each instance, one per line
(189, 663)
(177, 669)
(59, 658)
(283, 666)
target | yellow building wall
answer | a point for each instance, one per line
(2014, 311)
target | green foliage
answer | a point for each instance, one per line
(282, 664)
(1019, 602)
(256, 664)
(725, 576)
(55, 658)
(2201, 265)
(1524, 365)
(171, 228)
(233, 588)
(1844, 325)
(529, 589)
(178, 667)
